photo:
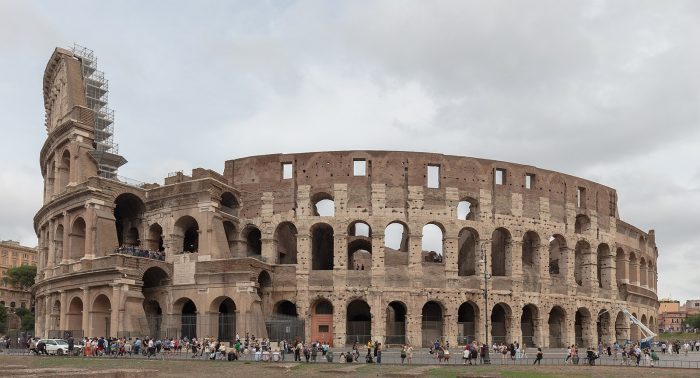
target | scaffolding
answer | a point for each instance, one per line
(106, 152)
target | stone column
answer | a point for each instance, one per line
(414, 321)
(415, 263)
(450, 256)
(116, 316)
(340, 260)
(90, 232)
(63, 323)
(87, 310)
(643, 275)
(541, 331)
(66, 238)
(378, 258)
(516, 259)
(634, 272)
(513, 326)
(450, 325)
(378, 318)
(543, 268)
(339, 323)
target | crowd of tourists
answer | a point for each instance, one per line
(140, 252)
(677, 347)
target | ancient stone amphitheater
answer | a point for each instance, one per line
(336, 246)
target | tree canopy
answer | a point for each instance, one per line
(693, 321)
(22, 276)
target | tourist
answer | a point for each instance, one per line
(378, 351)
(539, 357)
(466, 355)
(409, 354)
(403, 354)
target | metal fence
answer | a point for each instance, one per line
(283, 327)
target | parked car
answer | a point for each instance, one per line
(59, 347)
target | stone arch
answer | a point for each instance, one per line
(187, 311)
(359, 246)
(633, 269)
(287, 324)
(500, 252)
(101, 316)
(58, 244)
(252, 239)
(468, 242)
(55, 314)
(358, 322)
(128, 216)
(229, 203)
(603, 325)
(155, 238)
(467, 322)
(396, 312)
(223, 310)
(557, 254)
(285, 308)
(467, 209)
(634, 330)
(74, 316)
(621, 327)
(186, 235)
(433, 242)
(642, 272)
(582, 328)
(322, 320)
(323, 204)
(604, 266)
(500, 322)
(583, 224)
(432, 322)
(529, 325)
(285, 239)
(396, 243)
(557, 327)
(322, 247)
(77, 239)
(264, 283)
(64, 171)
(154, 277)
(582, 262)
(620, 266)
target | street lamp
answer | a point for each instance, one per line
(487, 359)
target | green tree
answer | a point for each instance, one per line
(693, 321)
(26, 319)
(21, 276)
(3, 319)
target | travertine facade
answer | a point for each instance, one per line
(290, 234)
(12, 255)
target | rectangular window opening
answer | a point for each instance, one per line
(323, 328)
(287, 171)
(581, 197)
(359, 167)
(529, 181)
(500, 176)
(433, 176)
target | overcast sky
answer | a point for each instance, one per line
(605, 90)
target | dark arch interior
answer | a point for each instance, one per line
(286, 308)
(466, 264)
(154, 277)
(324, 308)
(358, 322)
(253, 241)
(286, 240)
(188, 320)
(396, 323)
(499, 242)
(128, 211)
(322, 247)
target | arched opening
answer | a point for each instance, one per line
(230, 232)
(431, 323)
(58, 244)
(466, 209)
(154, 318)
(55, 322)
(652, 324)
(621, 328)
(225, 310)
(642, 272)
(634, 330)
(323, 205)
(500, 323)
(467, 316)
(651, 280)
(557, 327)
(100, 316)
(155, 238)
(583, 224)
(396, 323)
(582, 263)
(50, 189)
(322, 321)
(128, 214)
(188, 320)
(74, 316)
(264, 283)
(286, 242)
(358, 322)
(528, 325)
(253, 241)
(229, 204)
(500, 252)
(359, 246)
(603, 327)
(604, 266)
(466, 261)
(187, 231)
(432, 243)
(64, 171)
(285, 323)
(154, 277)
(530, 253)
(582, 324)
(322, 253)
(396, 244)
(633, 270)
(77, 239)
(557, 252)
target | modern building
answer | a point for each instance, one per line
(337, 246)
(13, 254)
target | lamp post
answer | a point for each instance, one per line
(487, 359)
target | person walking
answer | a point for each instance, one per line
(539, 356)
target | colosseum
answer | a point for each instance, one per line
(401, 247)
